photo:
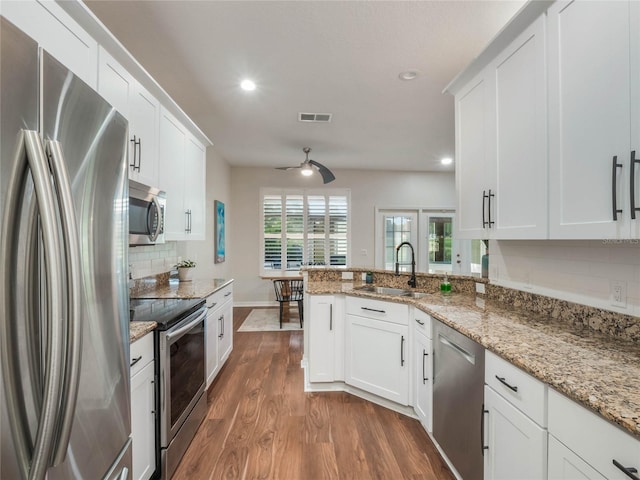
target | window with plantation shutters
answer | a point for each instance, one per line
(304, 228)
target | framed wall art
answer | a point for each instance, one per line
(218, 208)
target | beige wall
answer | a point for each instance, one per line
(369, 189)
(218, 181)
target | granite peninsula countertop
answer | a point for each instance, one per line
(596, 370)
(192, 289)
(137, 330)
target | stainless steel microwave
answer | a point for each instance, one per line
(146, 214)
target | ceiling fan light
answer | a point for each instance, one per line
(306, 170)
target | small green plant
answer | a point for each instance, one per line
(186, 264)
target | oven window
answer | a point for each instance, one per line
(187, 370)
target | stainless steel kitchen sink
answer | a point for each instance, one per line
(401, 292)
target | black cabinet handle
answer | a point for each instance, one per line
(484, 197)
(502, 381)
(614, 191)
(424, 375)
(221, 320)
(136, 164)
(419, 322)
(489, 197)
(402, 350)
(483, 447)
(628, 471)
(634, 160)
(212, 305)
(139, 153)
(373, 310)
(136, 360)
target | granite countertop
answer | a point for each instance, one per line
(598, 371)
(192, 289)
(137, 330)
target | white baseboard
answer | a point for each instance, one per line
(255, 304)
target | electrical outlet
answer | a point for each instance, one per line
(618, 294)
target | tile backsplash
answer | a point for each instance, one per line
(152, 260)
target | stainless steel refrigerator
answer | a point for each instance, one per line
(64, 324)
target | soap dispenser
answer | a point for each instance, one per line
(445, 286)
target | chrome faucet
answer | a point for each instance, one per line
(412, 280)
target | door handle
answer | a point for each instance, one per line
(504, 382)
(632, 185)
(331, 316)
(489, 197)
(614, 189)
(628, 471)
(482, 445)
(424, 375)
(402, 350)
(74, 286)
(484, 197)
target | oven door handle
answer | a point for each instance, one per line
(184, 329)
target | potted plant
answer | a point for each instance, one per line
(185, 270)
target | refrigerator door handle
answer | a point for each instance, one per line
(30, 155)
(73, 339)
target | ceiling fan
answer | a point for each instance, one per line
(306, 168)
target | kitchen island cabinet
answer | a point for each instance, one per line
(376, 348)
(219, 331)
(326, 338)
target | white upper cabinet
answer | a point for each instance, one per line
(49, 25)
(501, 154)
(182, 174)
(142, 110)
(475, 157)
(594, 82)
(144, 123)
(195, 187)
(519, 75)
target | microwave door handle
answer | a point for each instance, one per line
(158, 214)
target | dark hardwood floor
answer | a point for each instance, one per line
(261, 424)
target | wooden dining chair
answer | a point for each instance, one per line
(289, 291)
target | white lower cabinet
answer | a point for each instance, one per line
(514, 421)
(516, 447)
(592, 441)
(219, 331)
(376, 351)
(566, 465)
(326, 338)
(143, 416)
(423, 368)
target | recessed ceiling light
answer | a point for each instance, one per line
(409, 75)
(446, 161)
(248, 85)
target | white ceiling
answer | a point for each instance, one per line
(339, 57)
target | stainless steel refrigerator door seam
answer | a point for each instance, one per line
(73, 347)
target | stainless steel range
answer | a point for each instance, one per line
(180, 366)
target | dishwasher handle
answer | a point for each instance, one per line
(458, 349)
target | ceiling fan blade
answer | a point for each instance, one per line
(327, 176)
(286, 168)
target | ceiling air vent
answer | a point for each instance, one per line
(314, 117)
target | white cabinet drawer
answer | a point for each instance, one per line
(519, 388)
(141, 353)
(216, 299)
(422, 322)
(378, 310)
(592, 438)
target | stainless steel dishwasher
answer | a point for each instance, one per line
(458, 381)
